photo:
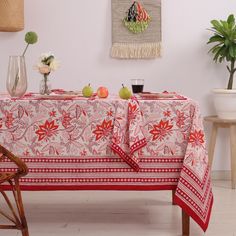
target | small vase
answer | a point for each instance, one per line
(17, 76)
(45, 86)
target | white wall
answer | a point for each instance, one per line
(79, 34)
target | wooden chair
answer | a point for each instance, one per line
(16, 211)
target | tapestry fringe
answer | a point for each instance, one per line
(136, 50)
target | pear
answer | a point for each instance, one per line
(125, 93)
(87, 91)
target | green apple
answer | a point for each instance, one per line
(125, 93)
(87, 91)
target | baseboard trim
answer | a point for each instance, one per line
(221, 175)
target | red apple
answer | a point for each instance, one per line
(102, 92)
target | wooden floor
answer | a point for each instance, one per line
(94, 213)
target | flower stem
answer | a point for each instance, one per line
(15, 83)
(25, 50)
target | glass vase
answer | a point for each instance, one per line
(45, 86)
(17, 76)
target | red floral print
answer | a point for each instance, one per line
(83, 153)
(180, 118)
(133, 109)
(110, 113)
(168, 150)
(52, 113)
(196, 138)
(161, 130)
(192, 160)
(167, 113)
(66, 119)
(46, 130)
(9, 119)
(103, 130)
(116, 138)
(26, 153)
(0, 123)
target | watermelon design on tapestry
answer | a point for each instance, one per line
(137, 18)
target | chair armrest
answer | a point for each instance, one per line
(22, 167)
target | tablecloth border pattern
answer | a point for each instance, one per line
(129, 158)
(201, 212)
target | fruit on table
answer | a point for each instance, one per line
(102, 92)
(125, 93)
(87, 91)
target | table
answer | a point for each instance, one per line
(111, 144)
(231, 125)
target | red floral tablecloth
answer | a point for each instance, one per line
(111, 144)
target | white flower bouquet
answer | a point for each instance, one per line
(46, 65)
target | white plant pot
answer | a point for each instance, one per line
(225, 103)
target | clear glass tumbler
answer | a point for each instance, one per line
(137, 85)
(17, 76)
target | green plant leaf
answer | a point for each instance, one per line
(221, 59)
(217, 54)
(231, 21)
(224, 51)
(218, 27)
(216, 38)
(227, 42)
(216, 48)
(225, 26)
(215, 23)
(233, 35)
(231, 51)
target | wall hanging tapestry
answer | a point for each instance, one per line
(136, 29)
(11, 15)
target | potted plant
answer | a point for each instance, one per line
(224, 49)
